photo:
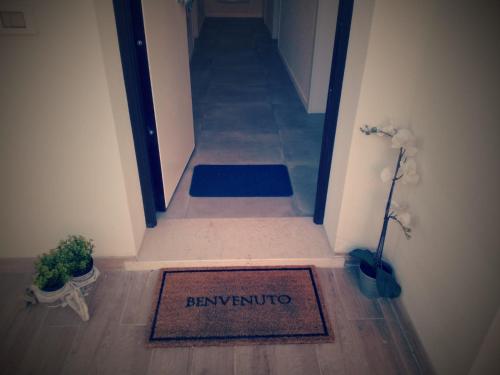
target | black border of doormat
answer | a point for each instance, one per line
(325, 336)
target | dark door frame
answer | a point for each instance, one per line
(341, 44)
(132, 42)
(130, 29)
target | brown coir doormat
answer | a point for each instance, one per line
(226, 306)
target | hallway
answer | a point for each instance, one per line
(247, 111)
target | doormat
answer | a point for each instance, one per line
(239, 306)
(241, 181)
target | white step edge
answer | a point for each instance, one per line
(334, 262)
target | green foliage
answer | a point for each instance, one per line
(73, 257)
(76, 253)
(51, 272)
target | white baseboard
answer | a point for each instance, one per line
(302, 95)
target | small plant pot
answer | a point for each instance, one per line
(87, 278)
(367, 279)
(50, 296)
(84, 272)
(53, 288)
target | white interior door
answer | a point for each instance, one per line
(167, 46)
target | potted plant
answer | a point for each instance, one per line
(63, 276)
(76, 253)
(51, 272)
(376, 276)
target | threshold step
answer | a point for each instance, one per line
(138, 265)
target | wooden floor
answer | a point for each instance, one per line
(370, 338)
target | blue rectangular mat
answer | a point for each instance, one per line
(264, 180)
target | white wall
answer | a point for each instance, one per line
(326, 23)
(190, 24)
(296, 42)
(66, 154)
(272, 16)
(346, 124)
(201, 15)
(276, 18)
(197, 17)
(434, 68)
(268, 15)
(251, 8)
(166, 36)
(306, 36)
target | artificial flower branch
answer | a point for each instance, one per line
(406, 230)
(380, 246)
(405, 171)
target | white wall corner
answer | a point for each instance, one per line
(295, 81)
(296, 43)
(276, 18)
(326, 17)
(346, 124)
(119, 107)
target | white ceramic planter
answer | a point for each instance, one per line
(67, 295)
(86, 279)
(72, 293)
(53, 296)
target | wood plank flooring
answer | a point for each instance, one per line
(370, 336)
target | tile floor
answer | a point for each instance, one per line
(247, 111)
(370, 336)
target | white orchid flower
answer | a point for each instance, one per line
(410, 179)
(411, 151)
(409, 166)
(390, 129)
(403, 138)
(386, 174)
(397, 207)
(409, 172)
(404, 218)
(394, 206)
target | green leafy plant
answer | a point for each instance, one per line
(51, 272)
(76, 254)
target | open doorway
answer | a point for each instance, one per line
(248, 104)
(248, 110)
